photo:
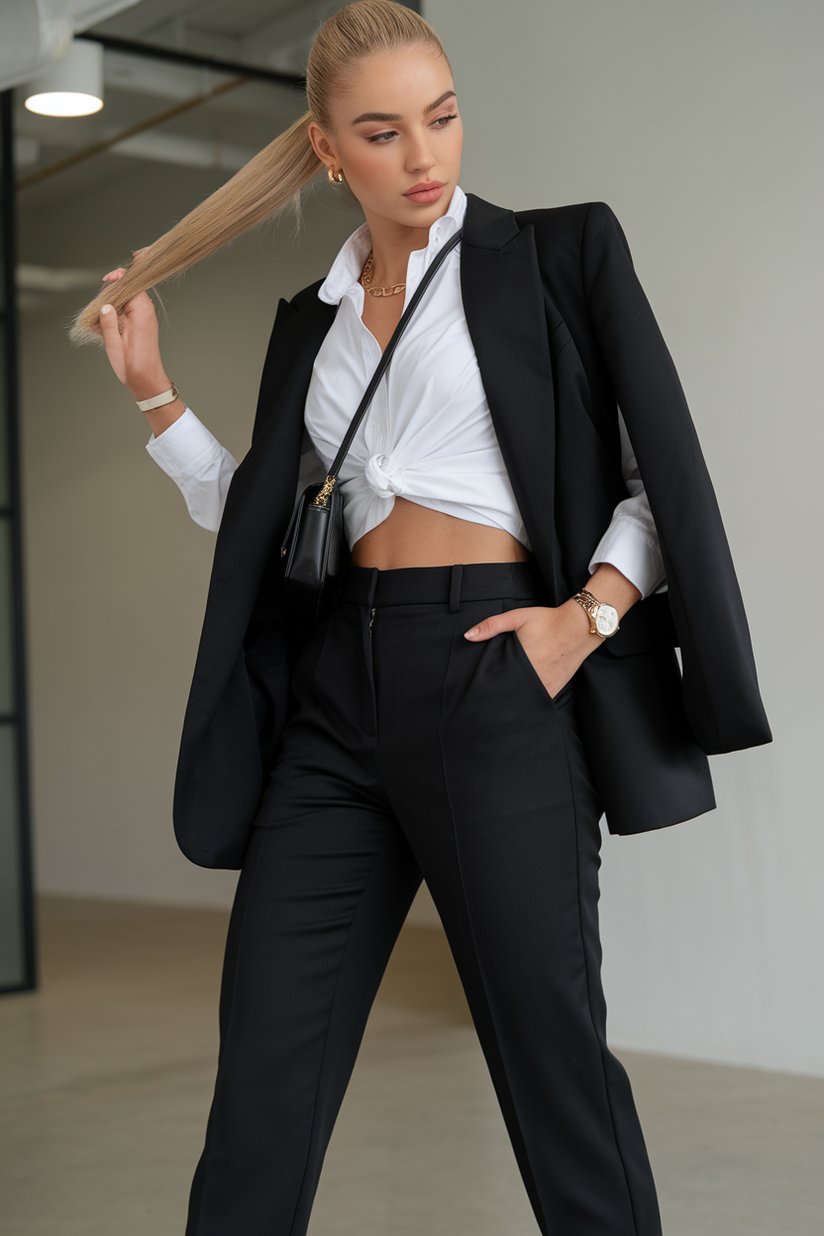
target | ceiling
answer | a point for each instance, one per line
(218, 133)
(270, 33)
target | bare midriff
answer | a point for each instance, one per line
(416, 536)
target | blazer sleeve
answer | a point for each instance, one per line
(720, 687)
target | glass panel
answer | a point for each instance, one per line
(2, 247)
(4, 433)
(12, 947)
(6, 246)
(15, 901)
(7, 702)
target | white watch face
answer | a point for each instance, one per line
(606, 620)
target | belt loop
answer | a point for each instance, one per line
(455, 589)
(373, 587)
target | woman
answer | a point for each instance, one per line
(469, 708)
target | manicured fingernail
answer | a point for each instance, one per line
(106, 309)
(471, 634)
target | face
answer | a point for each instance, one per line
(397, 136)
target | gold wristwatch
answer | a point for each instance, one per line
(603, 618)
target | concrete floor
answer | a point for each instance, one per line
(107, 1071)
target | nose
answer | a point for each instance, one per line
(420, 158)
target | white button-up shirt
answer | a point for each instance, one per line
(428, 433)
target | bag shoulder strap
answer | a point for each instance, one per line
(382, 366)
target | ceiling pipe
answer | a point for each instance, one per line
(154, 51)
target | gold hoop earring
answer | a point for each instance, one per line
(335, 178)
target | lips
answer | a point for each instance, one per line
(425, 192)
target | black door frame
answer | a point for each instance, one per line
(18, 719)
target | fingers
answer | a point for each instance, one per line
(108, 321)
(140, 306)
(141, 303)
(509, 621)
(113, 341)
(120, 271)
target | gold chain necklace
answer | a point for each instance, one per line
(366, 281)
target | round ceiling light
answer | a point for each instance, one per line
(71, 87)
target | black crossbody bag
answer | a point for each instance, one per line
(315, 542)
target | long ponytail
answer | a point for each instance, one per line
(266, 184)
(273, 179)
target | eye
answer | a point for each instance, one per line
(383, 137)
(443, 121)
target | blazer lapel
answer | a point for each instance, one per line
(504, 306)
(262, 494)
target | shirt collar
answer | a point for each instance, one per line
(347, 266)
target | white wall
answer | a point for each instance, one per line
(700, 124)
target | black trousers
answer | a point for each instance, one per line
(414, 751)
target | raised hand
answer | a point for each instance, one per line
(132, 343)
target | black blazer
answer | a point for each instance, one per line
(563, 334)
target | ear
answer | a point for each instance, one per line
(323, 146)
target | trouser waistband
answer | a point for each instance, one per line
(472, 581)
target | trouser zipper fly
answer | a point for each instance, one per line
(371, 671)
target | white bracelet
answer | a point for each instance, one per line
(159, 401)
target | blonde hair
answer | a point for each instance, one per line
(273, 179)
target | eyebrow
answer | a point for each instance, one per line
(393, 117)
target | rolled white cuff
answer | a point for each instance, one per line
(201, 468)
(630, 544)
